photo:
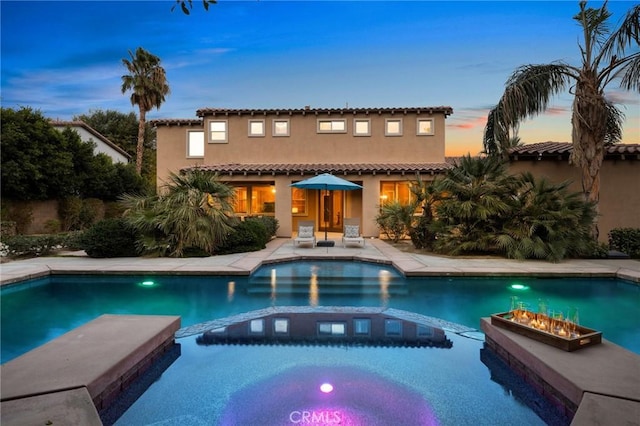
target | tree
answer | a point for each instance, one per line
(147, 81)
(122, 129)
(596, 122)
(193, 211)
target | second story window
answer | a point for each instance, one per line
(425, 126)
(195, 144)
(393, 127)
(332, 126)
(361, 127)
(280, 127)
(256, 128)
(218, 131)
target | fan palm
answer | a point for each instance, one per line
(147, 81)
(193, 211)
(596, 122)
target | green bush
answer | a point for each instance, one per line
(52, 226)
(626, 240)
(90, 212)
(109, 238)
(69, 210)
(250, 235)
(31, 245)
(270, 223)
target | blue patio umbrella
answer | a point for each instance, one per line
(327, 182)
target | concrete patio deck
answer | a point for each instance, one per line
(602, 400)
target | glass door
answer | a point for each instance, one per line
(330, 211)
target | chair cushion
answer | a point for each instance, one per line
(305, 232)
(351, 231)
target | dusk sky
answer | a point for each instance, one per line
(65, 58)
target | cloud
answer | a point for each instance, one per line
(469, 119)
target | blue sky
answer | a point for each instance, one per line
(65, 58)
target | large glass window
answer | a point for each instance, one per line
(255, 200)
(195, 144)
(218, 131)
(395, 191)
(299, 201)
(332, 126)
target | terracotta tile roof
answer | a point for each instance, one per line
(312, 169)
(446, 110)
(176, 122)
(92, 131)
(562, 150)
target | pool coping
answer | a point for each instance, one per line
(594, 408)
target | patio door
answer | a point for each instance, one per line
(330, 212)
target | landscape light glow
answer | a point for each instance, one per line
(326, 388)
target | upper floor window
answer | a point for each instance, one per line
(361, 127)
(280, 127)
(393, 127)
(425, 126)
(256, 128)
(195, 143)
(218, 131)
(332, 126)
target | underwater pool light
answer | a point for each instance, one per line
(326, 388)
(148, 283)
(519, 287)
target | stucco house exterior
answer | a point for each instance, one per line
(88, 134)
(261, 152)
(619, 205)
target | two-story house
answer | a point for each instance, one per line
(261, 152)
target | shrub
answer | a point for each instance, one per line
(69, 211)
(250, 235)
(394, 220)
(52, 226)
(31, 245)
(109, 238)
(92, 210)
(21, 214)
(270, 223)
(626, 240)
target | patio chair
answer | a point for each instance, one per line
(306, 233)
(351, 233)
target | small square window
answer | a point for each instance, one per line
(256, 326)
(218, 131)
(392, 327)
(425, 126)
(361, 326)
(361, 127)
(324, 328)
(195, 144)
(280, 127)
(332, 126)
(332, 329)
(393, 127)
(281, 325)
(256, 128)
(424, 331)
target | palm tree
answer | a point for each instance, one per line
(596, 122)
(147, 81)
(193, 211)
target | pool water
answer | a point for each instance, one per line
(41, 310)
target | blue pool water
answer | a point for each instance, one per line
(279, 385)
(40, 310)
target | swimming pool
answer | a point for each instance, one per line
(39, 310)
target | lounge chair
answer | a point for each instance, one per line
(306, 233)
(351, 233)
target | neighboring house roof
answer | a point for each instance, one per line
(176, 122)
(562, 151)
(306, 169)
(99, 137)
(446, 110)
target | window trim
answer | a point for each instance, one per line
(355, 126)
(420, 133)
(257, 135)
(331, 121)
(189, 155)
(386, 127)
(273, 127)
(226, 131)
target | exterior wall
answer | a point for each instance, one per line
(619, 199)
(101, 147)
(305, 145)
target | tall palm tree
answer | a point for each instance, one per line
(596, 122)
(147, 81)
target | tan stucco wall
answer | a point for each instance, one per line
(619, 188)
